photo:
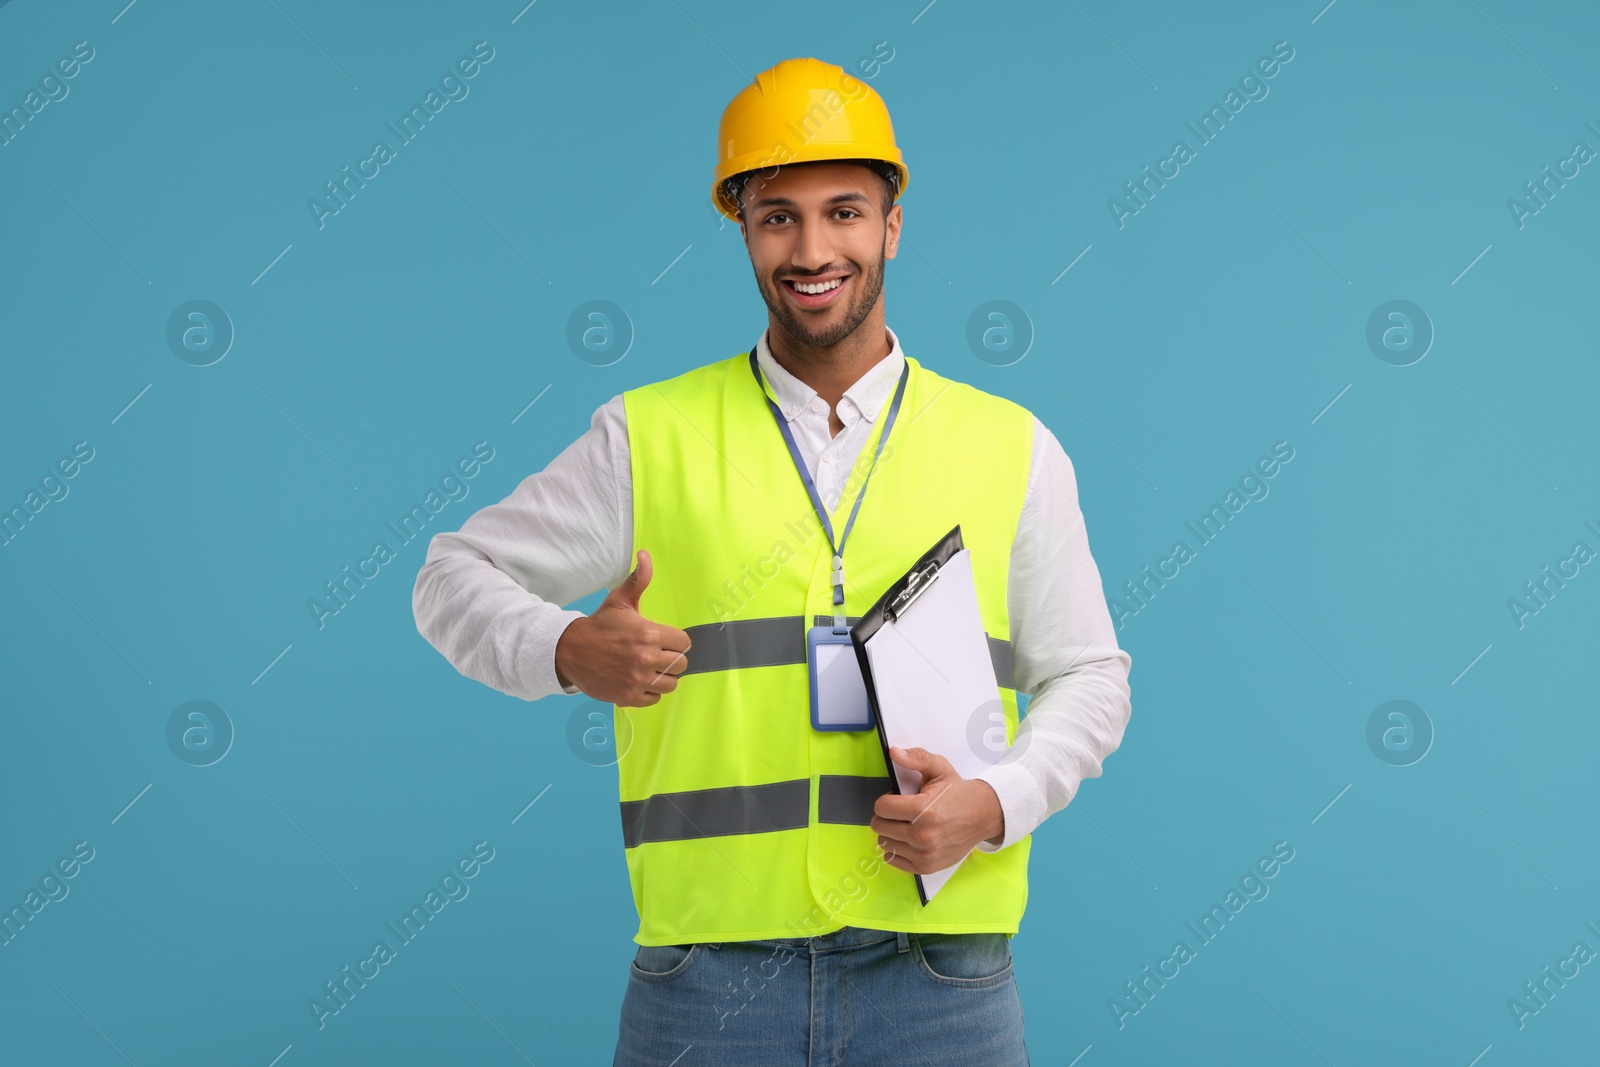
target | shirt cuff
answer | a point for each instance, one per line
(555, 639)
(1020, 802)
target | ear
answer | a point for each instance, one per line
(891, 234)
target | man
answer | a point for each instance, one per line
(753, 498)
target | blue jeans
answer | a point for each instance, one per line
(854, 996)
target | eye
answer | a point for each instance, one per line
(774, 215)
(849, 211)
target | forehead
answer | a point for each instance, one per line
(819, 181)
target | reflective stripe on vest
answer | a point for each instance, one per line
(750, 809)
(723, 646)
(739, 821)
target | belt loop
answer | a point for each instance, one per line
(714, 944)
(903, 939)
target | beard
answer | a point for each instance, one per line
(827, 331)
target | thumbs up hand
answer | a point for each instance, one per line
(616, 654)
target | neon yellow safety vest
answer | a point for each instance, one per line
(740, 821)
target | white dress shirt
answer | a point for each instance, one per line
(489, 597)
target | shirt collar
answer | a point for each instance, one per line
(868, 394)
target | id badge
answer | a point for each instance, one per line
(838, 692)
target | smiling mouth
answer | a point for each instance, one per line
(821, 293)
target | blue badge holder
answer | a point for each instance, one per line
(838, 692)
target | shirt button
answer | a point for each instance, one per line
(827, 457)
(816, 405)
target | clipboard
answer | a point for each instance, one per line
(930, 679)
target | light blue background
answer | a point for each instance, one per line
(426, 315)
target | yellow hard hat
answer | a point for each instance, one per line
(800, 111)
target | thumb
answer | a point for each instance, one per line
(928, 763)
(628, 593)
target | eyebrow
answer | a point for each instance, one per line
(783, 201)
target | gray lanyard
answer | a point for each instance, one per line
(811, 488)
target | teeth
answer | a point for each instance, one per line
(813, 290)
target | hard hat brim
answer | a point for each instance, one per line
(764, 162)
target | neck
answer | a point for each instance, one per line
(831, 370)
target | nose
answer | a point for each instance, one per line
(813, 251)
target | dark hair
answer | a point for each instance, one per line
(734, 186)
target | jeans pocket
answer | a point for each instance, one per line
(971, 960)
(662, 963)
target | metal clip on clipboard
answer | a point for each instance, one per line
(920, 579)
